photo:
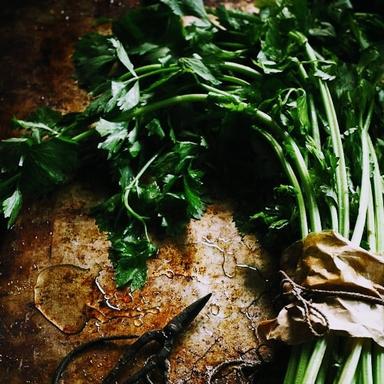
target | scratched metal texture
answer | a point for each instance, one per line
(36, 41)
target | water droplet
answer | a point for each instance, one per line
(215, 309)
(137, 322)
(169, 273)
(153, 311)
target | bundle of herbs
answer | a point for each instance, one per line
(182, 95)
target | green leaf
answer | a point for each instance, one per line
(323, 75)
(129, 100)
(187, 8)
(48, 164)
(115, 133)
(123, 55)
(196, 66)
(192, 194)
(129, 254)
(11, 207)
(154, 128)
(94, 57)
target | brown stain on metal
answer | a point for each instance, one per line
(37, 40)
(222, 331)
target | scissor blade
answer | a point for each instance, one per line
(180, 322)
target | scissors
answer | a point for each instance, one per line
(157, 361)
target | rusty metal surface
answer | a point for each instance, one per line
(36, 44)
(60, 231)
(36, 40)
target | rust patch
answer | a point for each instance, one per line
(184, 270)
(37, 39)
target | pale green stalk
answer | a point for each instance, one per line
(314, 122)
(305, 354)
(294, 357)
(378, 364)
(341, 170)
(292, 178)
(299, 162)
(378, 208)
(349, 369)
(315, 361)
(243, 69)
(364, 191)
(377, 198)
(366, 363)
(188, 98)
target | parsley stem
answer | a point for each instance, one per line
(365, 182)
(298, 160)
(234, 80)
(240, 68)
(378, 364)
(188, 98)
(326, 360)
(83, 135)
(315, 361)
(128, 190)
(231, 45)
(314, 121)
(292, 178)
(341, 170)
(348, 372)
(151, 68)
(364, 191)
(155, 72)
(378, 198)
(290, 374)
(366, 363)
(371, 226)
(305, 355)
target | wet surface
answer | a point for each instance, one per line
(36, 41)
(36, 44)
(53, 255)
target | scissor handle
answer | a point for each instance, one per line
(131, 351)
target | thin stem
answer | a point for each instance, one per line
(348, 372)
(188, 98)
(314, 214)
(326, 361)
(240, 68)
(290, 374)
(315, 361)
(378, 364)
(341, 170)
(234, 80)
(305, 355)
(334, 216)
(314, 121)
(232, 45)
(294, 151)
(83, 135)
(292, 178)
(378, 198)
(364, 190)
(219, 91)
(155, 72)
(371, 226)
(366, 363)
(128, 190)
(145, 69)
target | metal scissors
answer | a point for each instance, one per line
(156, 363)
